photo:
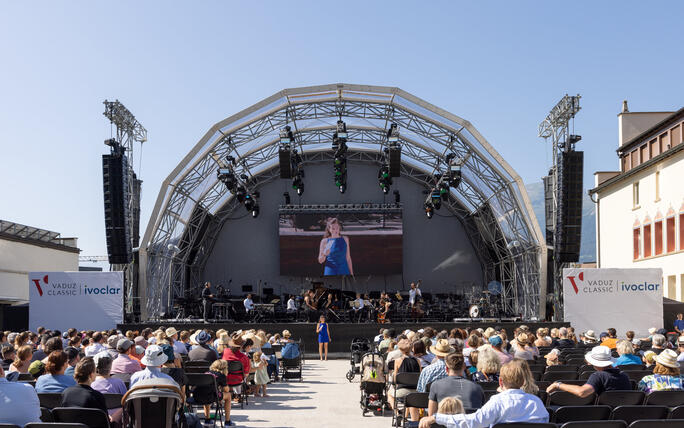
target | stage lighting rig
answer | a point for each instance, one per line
(436, 197)
(339, 146)
(429, 208)
(393, 134)
(286, 136)
(384, 178)
(252, 204)
(298, 184)
(227, 177)
(454, 173)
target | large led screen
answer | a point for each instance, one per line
(334, 244)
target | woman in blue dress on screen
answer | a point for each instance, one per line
(334, 250)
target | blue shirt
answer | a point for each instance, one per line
(679, 324)
(290, 351)
(431, 373)
(626, 359)
(19, 403)
(69, 371)
(149, 373)
(511, 405)
(54, 383)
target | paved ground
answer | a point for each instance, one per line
(323, 399)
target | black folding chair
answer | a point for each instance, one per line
(23, 377)
(113, 400)
(665, 398)
(525, 425)
(585, 375)
(637, 375)
(125, 377)
(51, 425)
(631, 367)
(50, 400)
(652, 423)
(562, 368)
(621, 398)
(202, 390)
(488, 386)
(677, 413)
(553, 376)
(581, 413)
(292, 368)
(46, 415)
(563, 398)
(630, 414)
(408, 380)
(235, 369)
(93, 418)
(595, 424)
(9, 426)
(418, 400)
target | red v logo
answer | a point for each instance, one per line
(572, 281)
(37, 282)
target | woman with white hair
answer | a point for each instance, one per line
(658, 344)
(488, 366)
(626, 352)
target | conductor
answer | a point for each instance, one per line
(206, 300)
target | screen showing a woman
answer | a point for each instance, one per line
(334, 250)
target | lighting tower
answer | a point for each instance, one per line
(556, 128)
(339, 146)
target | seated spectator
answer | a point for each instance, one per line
(124, 362)
(39, 353)
(385, 342)
(472, 369)
(564, 341)
(680, 348)
(287, 337)
(406, 363)
(82, 394)
(202, 352)
(8, 355)
(55, 380)
(22, 361)
(96, 346)
(106, 384)
(605, 378)
(590, 338)
(178, 346)
(110, 347)
(234, 353)
(649, 359)
(420, 353)
(73, 357)
(512, 404)
(666, 375)
(53, 344)
(172, 366)
(154, 358)
(526, 349)
(19, 403)
(630, 336)
(219, 369)
(37, 369)
(498, 348)
(455, 384)
(611, 340)
(289, 351)
(450, 406)
(626, 352)
(658, 343)
(541, 339)
(436, 370)
(488, 365)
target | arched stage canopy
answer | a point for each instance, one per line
(490, 202)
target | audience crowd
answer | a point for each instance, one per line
(84, 365)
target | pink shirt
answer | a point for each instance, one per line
(503, 356)
(125, 364)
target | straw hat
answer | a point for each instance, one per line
(591, 335)
(552, 355)
(649, 356)
(600, 356)
(170, 331)
(668, 358)
(254, 337)
(236, 341)
(442, 348)
(286, 334)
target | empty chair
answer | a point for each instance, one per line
(595, 424)
(50, 400)
(662, 423)
(113, 401)
(94, 418)
(677, 413)
(292, 368)
(665, 398)
(562, 375)
(562, 368)
(621, 398)
(575, 361)
(563, 398)
(581, 413)
(637, 375)
(630, 414)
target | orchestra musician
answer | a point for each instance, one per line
(356, 310)
(310, 306)
(206, 301)
(248, 304)
(415, 292)
(383, 308)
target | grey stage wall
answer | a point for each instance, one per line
(436, 250)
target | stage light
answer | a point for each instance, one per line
(287, 198)
(341, 130)
(286, 136)
(397, 197)
(393, 134)
(436, 198)
(240, 193)
(255, 211)
(429, 209)
(384, 178)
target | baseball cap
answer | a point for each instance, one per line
(123, 345)
(37, 368)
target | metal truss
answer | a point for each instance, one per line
(427, 135)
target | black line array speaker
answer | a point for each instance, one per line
(395, 161)
(284, 158)
(115, 186)
(569, 216)
(548, 207)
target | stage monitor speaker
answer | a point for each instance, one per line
(549, 214)
(395, 161)
(285, 162)
(569, 216)
(246, 288)
(117, 227)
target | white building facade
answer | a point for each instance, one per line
(640, 208)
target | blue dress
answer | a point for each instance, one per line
(336, 261)
(323, 334)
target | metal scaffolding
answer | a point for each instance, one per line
(490, 202)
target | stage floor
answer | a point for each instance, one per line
(341, 334)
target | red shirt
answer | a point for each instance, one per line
(229, 355)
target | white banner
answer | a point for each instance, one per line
(625, 299)
(83, 300)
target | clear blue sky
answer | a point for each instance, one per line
(182, 66)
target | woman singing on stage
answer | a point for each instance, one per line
(334, 250)
(323, 337)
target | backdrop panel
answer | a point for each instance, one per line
(626, 299)
(83, 300)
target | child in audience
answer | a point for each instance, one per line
(260, 375)
(450, 406)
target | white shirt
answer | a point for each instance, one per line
(249, 304)
(360, 302)
(291, 306)
(179, 347)
(512, 405)
(413, 293)
(94, 349)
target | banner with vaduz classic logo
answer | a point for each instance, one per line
(626, 299)
(83, 300)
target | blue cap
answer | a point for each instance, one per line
(202, 337)
(495, 340)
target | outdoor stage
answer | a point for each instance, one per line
(341, 333)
